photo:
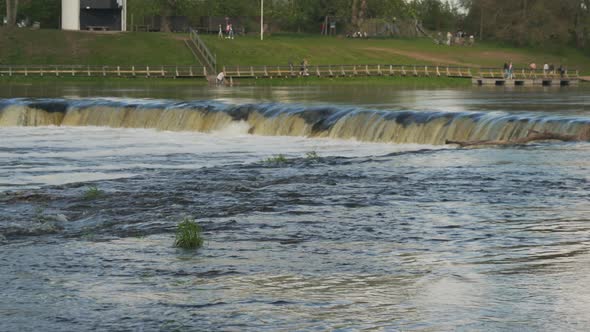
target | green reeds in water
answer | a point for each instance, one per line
(188, 234)
(92, 193)
(278, 159)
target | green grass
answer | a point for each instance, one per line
(318, 50)
(417, 82)
(188, 234)
(92, 192)
(24, 46)
(102, 80)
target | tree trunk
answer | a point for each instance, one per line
(167, 11)
(362, 13)
(481, 12)
(354, 14)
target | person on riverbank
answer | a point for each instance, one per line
(304, 71)
(220, 79)
(545, 69)
(510, 70)
(561, 71)
(532, 68)
(505, 68)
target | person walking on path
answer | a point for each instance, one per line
(220, 33)
(533, 68)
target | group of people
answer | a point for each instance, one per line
(460, 38)
(229, 32)
(358, 34)
(548, 69)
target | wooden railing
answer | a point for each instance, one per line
(347, 71)
(206, 56)
(524, 73)
(274, 71)
(103, 71)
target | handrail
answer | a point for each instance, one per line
(275, 71)
(210, 60)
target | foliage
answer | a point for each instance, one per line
(531, 22)
(312, 155)
(188, 234)
(278, 159)
(92, 192)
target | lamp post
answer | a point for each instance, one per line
(261, 19)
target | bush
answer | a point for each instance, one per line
(188, 234)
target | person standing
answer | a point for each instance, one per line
(220, 33)
(545, 69)
(505, 70)
(510, 70)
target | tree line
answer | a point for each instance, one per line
(519, 22)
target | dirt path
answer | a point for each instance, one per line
(448, 60)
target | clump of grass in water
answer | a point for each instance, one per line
(92, 193)
(278, 159)
(313, 156)
(188, 234)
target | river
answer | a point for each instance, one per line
(370, 223)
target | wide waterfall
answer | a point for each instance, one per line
(274, 119)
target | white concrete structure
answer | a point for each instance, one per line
(70, 14)
(90, 14)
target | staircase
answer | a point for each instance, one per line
(202, 54)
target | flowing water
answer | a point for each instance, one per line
(370, 223)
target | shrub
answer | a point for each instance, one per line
(188, 234)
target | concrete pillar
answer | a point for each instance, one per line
(70, 14)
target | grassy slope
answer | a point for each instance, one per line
(23, 46)
(279, 49)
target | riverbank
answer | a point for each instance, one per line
(56, 47)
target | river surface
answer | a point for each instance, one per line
(394, 231)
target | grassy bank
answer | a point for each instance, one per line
(283, 49)
(24, 46)
(418, 82)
